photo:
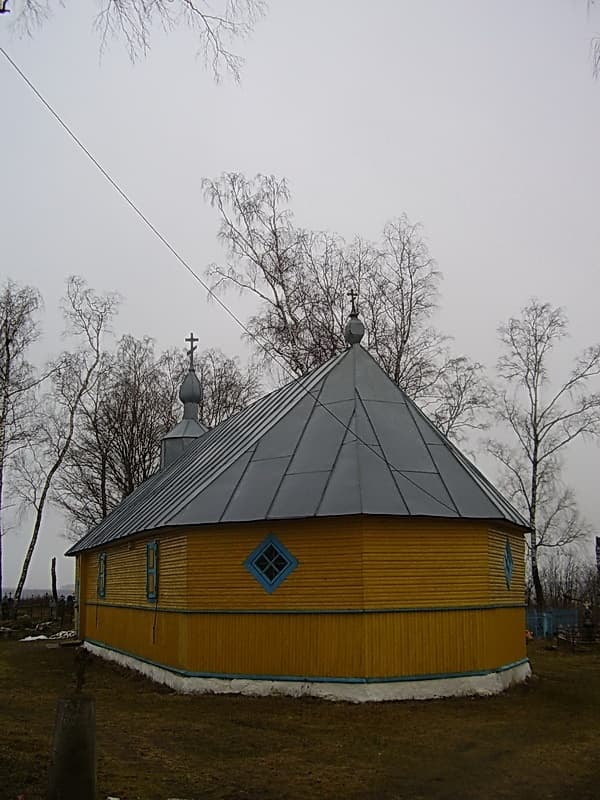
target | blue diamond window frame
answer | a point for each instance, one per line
(508, 564)
(270, 584)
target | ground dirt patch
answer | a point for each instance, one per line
(539, 740)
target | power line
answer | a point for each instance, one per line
(195, 275)
(129, 202)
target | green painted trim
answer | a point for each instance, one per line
(317, 611)
(312, 678)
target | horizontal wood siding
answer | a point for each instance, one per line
(367, 566)
(328, 575)
(499, 592)
(424, 563)
(126, 571)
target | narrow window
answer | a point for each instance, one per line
(102, 575)
(152, 570)
(508, 563)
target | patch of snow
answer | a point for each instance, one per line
(65, 635)
(32, 638)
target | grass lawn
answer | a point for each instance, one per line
(541, 740)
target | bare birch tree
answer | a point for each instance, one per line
(460, 397)
(226, 387)
(541, 417)
(300, 280)
(218, 25)
(565, 579)
(18, 331)
(88, 316)
(123, 416)
(121, 420)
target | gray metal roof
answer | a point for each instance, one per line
(343, 440)
(187, 429)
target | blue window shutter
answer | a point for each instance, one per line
(102, 575)
(152, 570)
(508, 563)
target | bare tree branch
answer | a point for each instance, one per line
(543, 418)
(133, 403)
(300, 280)
(218, 25)
(18, 331)
(88, 316)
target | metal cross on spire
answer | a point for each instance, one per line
(354, 329)
(191, 339)
(353, 295)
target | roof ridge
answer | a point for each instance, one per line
(482, 481)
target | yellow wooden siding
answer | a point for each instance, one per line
(351, 563)
(80, 595)
(328, 575)
(157, 636)
(499, 592)
(375, 645)
(443, 642)
(424, 563)
(317, 645)
(126, 572)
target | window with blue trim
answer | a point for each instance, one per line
(152, 570)
(102, 575)
(508, 563)
(270, 563)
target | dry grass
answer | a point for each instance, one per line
(536, 741)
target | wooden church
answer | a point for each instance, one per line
(325, 541)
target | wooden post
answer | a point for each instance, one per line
(73, 764)
(53, 575)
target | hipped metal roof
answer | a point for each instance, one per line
(343, 440)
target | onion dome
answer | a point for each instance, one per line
(354, 329)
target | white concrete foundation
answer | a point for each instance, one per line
(424, 689)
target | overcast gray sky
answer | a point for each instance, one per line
(478, 118)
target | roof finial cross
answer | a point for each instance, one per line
(353, 295)
(191, 339)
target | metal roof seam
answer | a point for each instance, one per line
(356, 442)
(295, 449)
(383, 456)
(239, 480)
(488, 488)
(332, 468)
(410, 406)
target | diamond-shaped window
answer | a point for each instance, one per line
(508, 564)
(270, 563)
